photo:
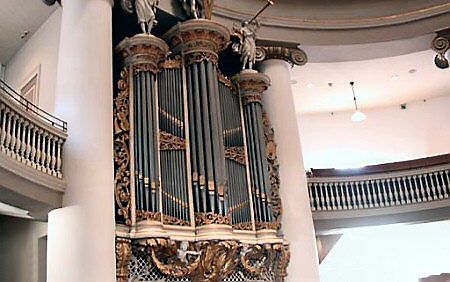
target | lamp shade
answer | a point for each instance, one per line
(358, 116)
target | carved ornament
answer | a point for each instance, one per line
(123, 257)
(121, 114)
(147, 215)
(144, 52)
(174, 63)
(206, 218)
(236, 154)
(274, 173)
(170, 220)
(198, 40)
(294, 56)
(226, 81)
(441, 45)
(251, 85)
(212, 260)
(168, 142)
(243, 226)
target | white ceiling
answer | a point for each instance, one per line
(16, 16)
(373, 83)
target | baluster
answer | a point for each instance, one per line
(398, 192)
(347, 196)
(3, 132)
(59, 158)
(340, 195)
(8, 132)
(443, 184)
(429, 177)
(28, 142)
(375, 194)
(438, 185)
(427, 188)
(448, 181)
(18, 138)
(23, 142)
(391, 185)
(48, 156)
(322, 197)
(401, 181)
(38, 149)
(414, 198)
(311, 201)
(13, 136)
(327, 197)
(33, 147)
(53, 156)
(386, 186)
(354, 204)
(362, 193)
(381, 199)
(422, 196)
(369, 194)
(332, 196)
(358, 194)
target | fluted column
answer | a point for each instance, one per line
(297, 221)
(81, 234)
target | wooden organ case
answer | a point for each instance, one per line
(196, 175)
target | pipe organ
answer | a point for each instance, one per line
(195, 193)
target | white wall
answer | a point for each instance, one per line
(387, 135)
(19, 248)
(41, 50)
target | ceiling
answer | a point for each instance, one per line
(375, 83)
(17, 16)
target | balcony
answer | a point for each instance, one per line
(403, 192)
(31, 148)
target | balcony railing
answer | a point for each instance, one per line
(29, 134)
(388, 189)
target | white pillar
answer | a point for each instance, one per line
(297, 221)
(81, 234)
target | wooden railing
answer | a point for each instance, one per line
(380, 190)
(29, 134)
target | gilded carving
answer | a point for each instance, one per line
(174, 63)
(236, 154)
(274, 174)
(123, 257)
(214, 260)
(170, 220)
(243, 226)
(251, 85)
(198, 40)
(202, 218)
(122, 148)
(226, 81)
(168, 141)
(147, 215)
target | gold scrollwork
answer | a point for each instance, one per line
(168, 141)
(123, 257)
(122, 148)
(236, 154)
(205, 218)
(147, 215)
(274, 173)
(167, 219)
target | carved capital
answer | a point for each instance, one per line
(441, 44)
(198, 40)
(251, 85)
(294, 56)
(123, 257)
(143, 52)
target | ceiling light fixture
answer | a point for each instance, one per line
(357, 116)
(309, 85)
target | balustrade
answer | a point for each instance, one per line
(30, 135)
(380, 190)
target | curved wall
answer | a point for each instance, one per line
(387, 135)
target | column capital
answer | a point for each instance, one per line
(441, 44)
(292, 55)
(251, 85)
(198, 40)
(144, 52)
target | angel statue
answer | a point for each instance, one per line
(183, 252)
(198, 8)
(246, 46)
(145, 10)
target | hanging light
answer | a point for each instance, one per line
(357, 116)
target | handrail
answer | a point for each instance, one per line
(380, 190)
(47, 117)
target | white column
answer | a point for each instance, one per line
(81, 234)
(297, 221)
